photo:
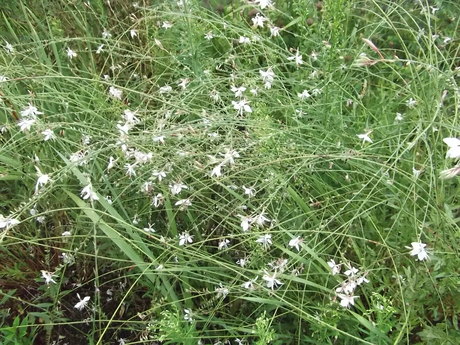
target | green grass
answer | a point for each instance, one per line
(355, 202)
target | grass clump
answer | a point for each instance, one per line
(229, 172)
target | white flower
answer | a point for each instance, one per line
(214, 95)
(434, 9)
(26, 124)
(157, 200)
(245, 222)
(249, 284)
(222, 291)
(260, 220)
(159, 175)
(295, 242)
(418, 249)
(229, 156)
(133, 33)
(30, 111)
(183, 83)
(188, 315)
(183, 203)
(216, 171)
(149, 228)
(304, 95)
(48, 276)
(115, 93)
(346, 301)
(411, 103)
(42, 180)
(165, 89)
(335, 268)
(7, 222)
(271, 280)
(99, 49)
(176, 188)
(88, 193)
(265, 240)
(274, 31)
(130, 171)
(351, 272)
(244, 40)
(166, 25)
(48, 135)
(223, 244)
(242, 106)
(185, 238)
(112, 163)
(264, 3)
(66, 234)
(71, 54)
(297, 58)
(82, 303)
(450, 173)
(106, 34)
(9, 48)
(454, 147)
(258, 21)
(238, 91)
(316, 92)
(399, 117)
(209, 36)
(249, 191)
(365, 137)
(416, 172)
(314, 56)
(242, 262)
(130, 117)
(268, 77)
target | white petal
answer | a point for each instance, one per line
(451, 142)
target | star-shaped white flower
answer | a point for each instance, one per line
(297, 58)
(335, 268)
(185, 238)
(245, 222)
(82, 303)
(71, 54)
(30, 111)
(267, 77)
(346, 301)
(242, 106)
(42, 180)
(271, 280)
(176, 188)
(88, 193)
(296, 242)
(48, 134)
(454, 147)
(265, 240)
(303, 95)
(238, 91)
(115, 93)
(264, 3)
(418, 249)
(26, 124)
(365, 137)
(258, 21)
(7, 222)
(48, 276)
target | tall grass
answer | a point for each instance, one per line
(294, 168)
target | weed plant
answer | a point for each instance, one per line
(242, 172)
